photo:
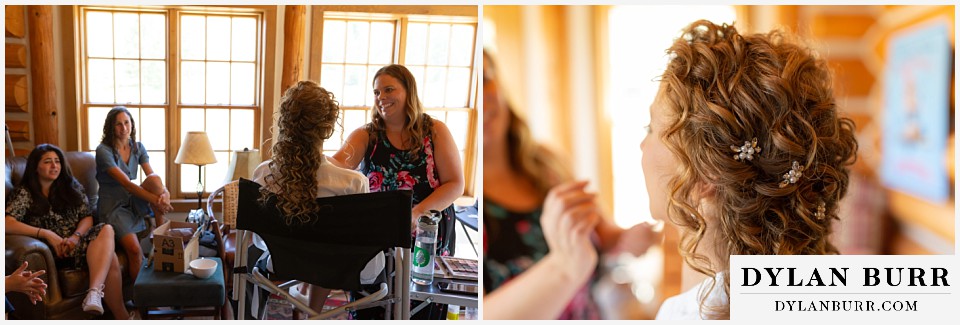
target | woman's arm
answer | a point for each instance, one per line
(545, 289)
(12, 226)
(447, 160)
(132, 187)
(636, 239)
(82, 227)
(351, 153)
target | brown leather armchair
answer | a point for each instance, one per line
(67, 285)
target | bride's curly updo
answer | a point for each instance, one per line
(722, 88)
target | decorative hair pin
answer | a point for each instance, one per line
(821, 211)
(746, 151)
(796, 171)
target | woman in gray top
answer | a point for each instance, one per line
(124, 204)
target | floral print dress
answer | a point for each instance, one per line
(63, 224)
(388, 169)
(512, 243)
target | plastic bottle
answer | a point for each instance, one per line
(425, 248)
(453, 312)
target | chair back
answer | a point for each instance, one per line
(332, 247)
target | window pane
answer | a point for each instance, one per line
(218, 38)
(458, 87)
(128, 81)
(416, 43)
(439, 48)
(100, 81)
(192, 38)
(354, 82)
(151, 130)
(331, 79)
(334, 40)
(153, 37)
(215, 173)
(435, 87)
(158, 162)
(417, 72)
(461, 45)
(242, 87)
(241, 129)
(458, 124)
(188, 179)
(218, 134)
(218, 83)
(352, 120)
(126, 35)
(95, 117)
(99, 34)
(358, 38)
(244, 39)
(381, 43)
(192, 82)
(440, 115)
(371, 71)
(191, 119)
(153, 77)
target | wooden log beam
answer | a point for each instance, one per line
(16, 94)
(293, 31)
(16, 56)
(14, 21)
(19, 130)
(40, 29)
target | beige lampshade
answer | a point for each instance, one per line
(196, 150)
(242, 164)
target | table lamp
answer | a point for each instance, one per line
(242, 164)
(196, 150)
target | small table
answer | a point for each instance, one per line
(179, 290)
(431, 293)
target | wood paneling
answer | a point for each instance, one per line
(293, 30)
(851, 77)
(16, 56)
(44, 98)
(937, 218)
(840, 25)
(19, 130)
(14, 21)
(16, 93)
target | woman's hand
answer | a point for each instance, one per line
(638, 239)
(569, 217)
(55, 242)
(27, 282)
(70, 243)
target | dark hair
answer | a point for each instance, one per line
(109, 132)
(418, 123)
(65, 192)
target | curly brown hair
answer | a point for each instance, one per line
(722, 88)
(308, 114)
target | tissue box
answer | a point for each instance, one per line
(174, 253)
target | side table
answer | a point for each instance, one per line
(182, 291)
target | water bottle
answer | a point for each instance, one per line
(425, 248)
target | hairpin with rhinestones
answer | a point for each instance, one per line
(793, 175)
(746, 151)
(821, 211)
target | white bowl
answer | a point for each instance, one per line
(203, 268)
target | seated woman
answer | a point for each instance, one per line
(124, 204)
(49, 205)
(746, 155)
(299, 172)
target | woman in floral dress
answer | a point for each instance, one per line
(49, 205)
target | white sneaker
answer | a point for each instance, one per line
(92, 303)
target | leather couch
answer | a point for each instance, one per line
(67, 285)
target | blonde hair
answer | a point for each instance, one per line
(308, 114)
(722, 88)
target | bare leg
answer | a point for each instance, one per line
(113, 293)
(318, 296)
(131, 246)
(99, 253)
(154, 185)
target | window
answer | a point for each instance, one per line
(439, 51)
(212, 86)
